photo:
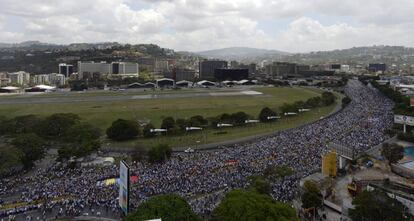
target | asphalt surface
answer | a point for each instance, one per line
(73, 97)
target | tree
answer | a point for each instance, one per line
(328, 98)
(243, 205)
(198, 121)
(32, 147)
(225, 118)
(392, 152)
(121, 130)
(147, 130)
(6, 125)
(377, 205)
(260, 185)
(181, 124)
(276, 172)
(265, 113)
(82, 132)
(239, 118)
(345, 101)
(288, 108)
(314, 102)
(159, 153)
(311, 196)
(168, 207)
(55, 125)
(25, 124)
(10, 160)
(168, 123)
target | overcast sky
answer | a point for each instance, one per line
(194, 25)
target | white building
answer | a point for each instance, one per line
(345, 68)
(57, 79)
(19, 78)
(41, 79)
(4, 79)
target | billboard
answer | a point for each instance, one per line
(402, 119)
(124, 187)
(329, 164)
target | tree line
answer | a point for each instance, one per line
(122, 129)
(31, 135)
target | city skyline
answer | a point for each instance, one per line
(292, 26)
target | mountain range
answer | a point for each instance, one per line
(240, 53)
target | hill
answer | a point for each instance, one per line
(241, 53)
(397, 55)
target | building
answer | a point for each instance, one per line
(181, 74)
(102, 68)
(19, 78)
(66, 69)
(207, 68)
(161, 66)
(124, 68)
(302, 68)
(146, 64)
(281, 69)
(404, 194)
(41, 79)
(57, 79)
(251, 67)
(345, 68)
(90, 68)
(4, 79)
(222, 74)
(335, 66)
(376, 67)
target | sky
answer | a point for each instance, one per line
(197, 25)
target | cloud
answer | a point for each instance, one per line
(198, 25)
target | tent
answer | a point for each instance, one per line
(165, 82)
(206, 83)
(183, 83)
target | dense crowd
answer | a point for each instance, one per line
(203, 178)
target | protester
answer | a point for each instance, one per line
(203, 178)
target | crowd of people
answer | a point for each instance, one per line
(204, 177)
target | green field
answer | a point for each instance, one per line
(102, 113)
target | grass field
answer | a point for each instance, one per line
(214, 136)
(103, 113)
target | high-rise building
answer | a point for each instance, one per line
(281, 69)
(124, 68)
(207, 68)
(234, 74)
(66, 69)
(103, 68)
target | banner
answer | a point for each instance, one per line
(124, 187)
(402, 119)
